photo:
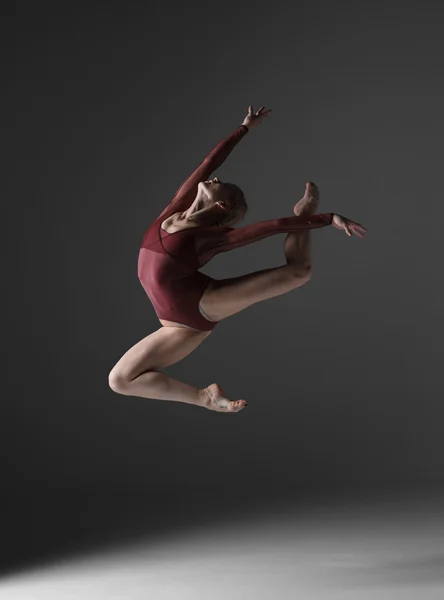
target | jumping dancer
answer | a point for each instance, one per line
(194, 227)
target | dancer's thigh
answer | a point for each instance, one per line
(226, 297)
(162, 348)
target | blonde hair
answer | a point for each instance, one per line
(239, 206)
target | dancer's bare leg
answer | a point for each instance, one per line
(308, 205)
(136, 373)
(226, 297)
(297, 246)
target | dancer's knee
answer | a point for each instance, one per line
(301, 273)
(119, 383)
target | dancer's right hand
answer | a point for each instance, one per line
(350, 227)
(253, 119)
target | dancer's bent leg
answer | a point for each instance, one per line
(297, 246)
(227, 297)
(136, 373)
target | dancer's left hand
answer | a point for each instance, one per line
(350, 227)
(253, 119)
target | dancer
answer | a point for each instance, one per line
(196, 226)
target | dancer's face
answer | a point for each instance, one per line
(217, 194)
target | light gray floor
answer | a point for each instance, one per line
(392, 549)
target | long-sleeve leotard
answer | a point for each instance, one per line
(169, 263)
(186, 193)
(212, 241)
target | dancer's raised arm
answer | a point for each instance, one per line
(186, 193)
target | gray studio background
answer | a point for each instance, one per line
(113, 108)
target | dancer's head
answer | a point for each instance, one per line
(225, 200)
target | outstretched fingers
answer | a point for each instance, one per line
(358, 229)
(262, 112)
(254, 118)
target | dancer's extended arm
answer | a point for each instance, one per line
(222, 239)
(186, 193)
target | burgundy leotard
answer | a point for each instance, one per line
(169, 263)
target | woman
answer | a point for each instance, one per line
(193, 228)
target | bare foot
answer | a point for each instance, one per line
(308, 205)
(213, 398)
